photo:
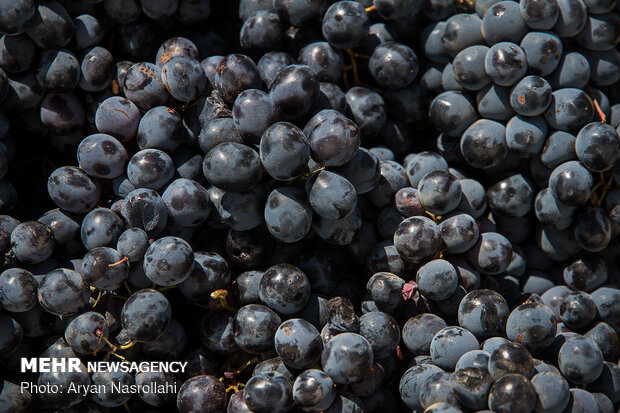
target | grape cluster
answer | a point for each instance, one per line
(318, 205)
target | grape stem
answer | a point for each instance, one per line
(221, 295)
(370, 9)
(597, 107)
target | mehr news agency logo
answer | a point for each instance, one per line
(74, 364)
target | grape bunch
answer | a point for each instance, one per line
(317, 205)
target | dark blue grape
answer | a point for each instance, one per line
(449, 81)
(331, 97)
(577, 310)
(334, 140)
(367, 108)
(606, 304)
(240, 211)
(493, 102)
(298, 344)
(386, 290)
(173, 47)
(97, 269)
(381, 331)
(412, 381)
(580, 360)
(484, 313)
(347, 358)
(461, 30)
(232, 167)
(600, 32)
(85, 333)
(511, 197)
(439, 192)
(532, 324)
(510, 358)
(452, 112)
(160, 128)
(604, 67)
(597, 146)
(431, 42)
(417, 239)
(150, 168)
(393, 65)
(449, 344)
(592, 229)
(269, 392)
(254, 328)
(168, 261)
(217, 333)
(437, 389)
(531, 96)
(102, 156)
(512, 393)
(294, 91)
(418, 332)
(145, 315)
(284, 288)
(326, 61)
(437, 279)
(123, 11)
(483, 144)
(145, 209)
(253, 112)
(505, 63)
(492, 253)
(96, 68)
(552, 391)
(313, 391)
(118, 117)
(18, 290)
(570, 183)
(234, 74)
(217, 131)
(552, 213)
(345, 24)
(525, 136)
(17, 53)
(66, 229)
(63, 292)
(542, 50)
(288, 214)
(473, 198)
(475, 359)
(503, 22)
(573, 71)
(606, 338)
(184, 78)
(331, 195)
(468, 67)
(261, 30)
(471, 387)
(52, 27)
(32, 242)
(201, 393)
(272, 63)
(58, 70)
(143, 86)
(17, 16)
(573, 16)
(62, 113)
(187, 202)
(539, 14)
(101, 227)
(132, 243)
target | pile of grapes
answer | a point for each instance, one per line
(317, 205)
